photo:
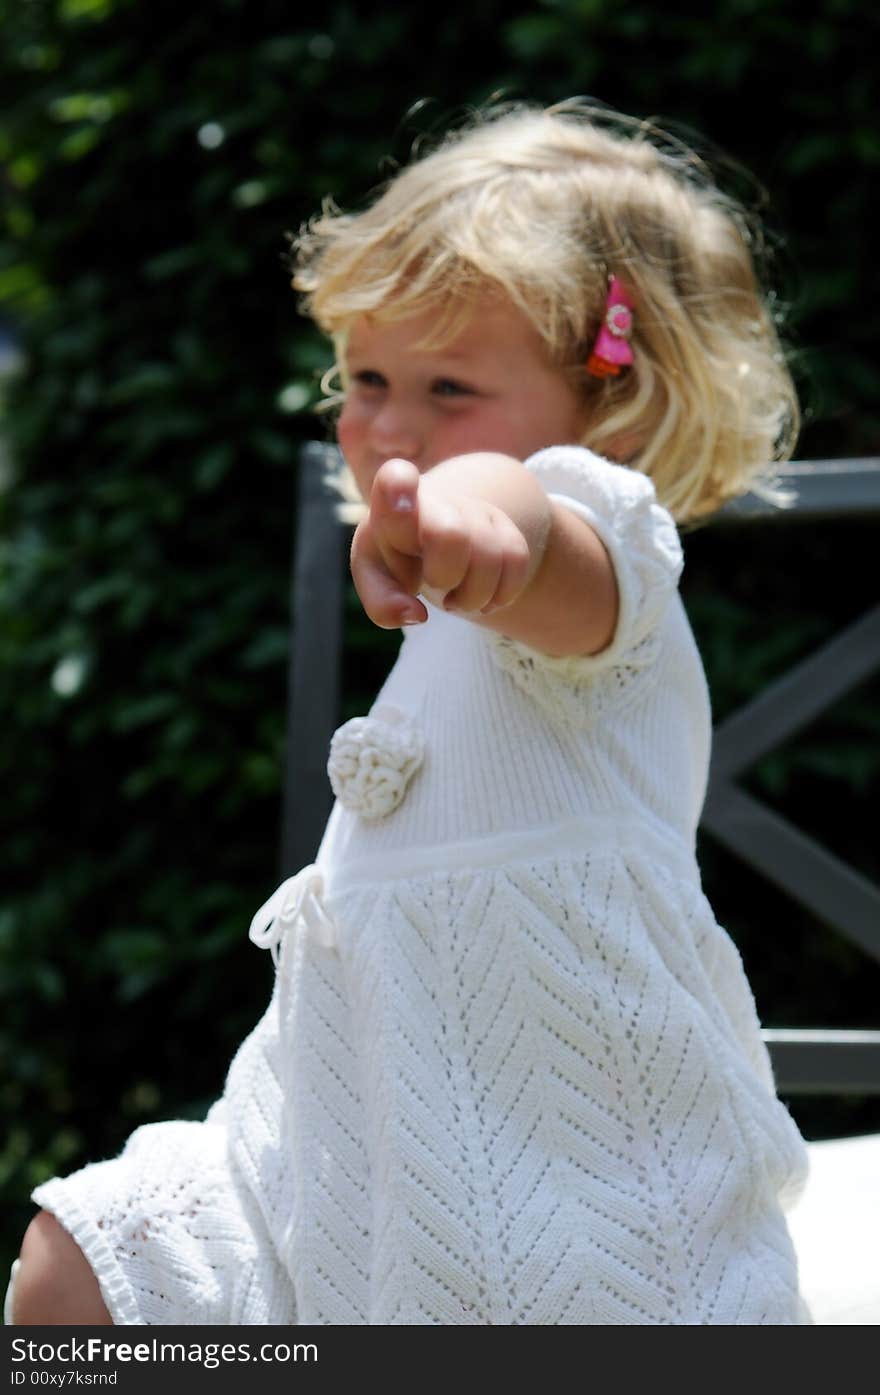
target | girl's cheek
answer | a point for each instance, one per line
(352, 429)
(348, 432)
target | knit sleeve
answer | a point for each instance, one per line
(645, 551)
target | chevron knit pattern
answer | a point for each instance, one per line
(560, 1124)
(520, 1080)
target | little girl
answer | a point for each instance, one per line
(511, 1071)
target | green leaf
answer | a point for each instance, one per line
(145, 711)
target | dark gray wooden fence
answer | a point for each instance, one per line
(821, 1061)
(316, 597)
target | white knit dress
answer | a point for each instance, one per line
(512, 1071)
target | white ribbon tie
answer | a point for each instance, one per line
(299, 898)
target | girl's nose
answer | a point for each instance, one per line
(395, 431)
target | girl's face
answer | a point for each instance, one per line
(491, 388)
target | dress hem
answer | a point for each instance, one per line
(115, 1289)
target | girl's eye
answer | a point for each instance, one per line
(369, 378)
(448, 387)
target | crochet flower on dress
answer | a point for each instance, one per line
(372, 760)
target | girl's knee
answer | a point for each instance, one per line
(54, 1285)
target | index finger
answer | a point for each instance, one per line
(394, 507)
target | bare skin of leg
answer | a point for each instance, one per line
(55, 1286)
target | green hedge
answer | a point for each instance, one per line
(152, 157)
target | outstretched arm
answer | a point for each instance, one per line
(478, 535)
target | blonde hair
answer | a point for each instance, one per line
(544, 205)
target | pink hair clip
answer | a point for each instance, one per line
(612, 349)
